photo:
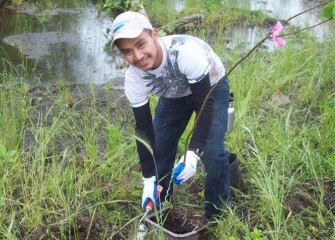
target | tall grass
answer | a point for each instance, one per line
(60, 159)
(283, 136)
(283, 145)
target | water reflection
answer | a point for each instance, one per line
(69, 47)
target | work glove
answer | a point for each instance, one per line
(182, 172)
(149, 192)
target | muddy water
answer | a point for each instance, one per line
(71, 43)
(70, 46)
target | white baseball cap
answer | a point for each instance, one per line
(129, 25)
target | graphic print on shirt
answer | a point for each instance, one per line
(186, 60)
(171, 82)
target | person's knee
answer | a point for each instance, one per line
(215, 158)
(217, 169)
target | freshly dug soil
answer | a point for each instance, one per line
(183, 221)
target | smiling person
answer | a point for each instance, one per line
(181, 70)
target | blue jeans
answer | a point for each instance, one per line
(170, 120)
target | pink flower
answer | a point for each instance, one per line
(278, 41)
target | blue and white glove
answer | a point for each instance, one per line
(182, 172)
(149, 192)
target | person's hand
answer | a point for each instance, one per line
(149, 192)
(182, 172)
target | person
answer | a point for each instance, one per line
(181, 70)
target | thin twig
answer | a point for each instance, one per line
(239, 62)
(294, 16)
(215, 85)
(234, 66)
(292, 33)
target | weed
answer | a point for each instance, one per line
(17, 2)
(119, 5)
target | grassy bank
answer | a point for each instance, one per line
(285, 123)
(70, 170)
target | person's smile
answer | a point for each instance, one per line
(143, 62)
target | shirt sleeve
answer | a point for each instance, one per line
(200, 90)
(135, 89)
(137, 96)
(145, 131)
(193, 62)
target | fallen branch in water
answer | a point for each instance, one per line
(183, 23)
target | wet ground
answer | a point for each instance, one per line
(77, 98)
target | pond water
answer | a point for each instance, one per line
(70, 46)
(70, 42)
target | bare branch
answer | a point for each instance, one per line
(241, 60)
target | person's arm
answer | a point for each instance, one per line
(200, 90)
(145, 128)
(185, 169)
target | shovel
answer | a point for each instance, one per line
(142, 228)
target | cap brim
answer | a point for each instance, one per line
(134, 33)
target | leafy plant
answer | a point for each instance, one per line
(6, 156)
(44, 9)
(256, 234)
(17, 2)
(120, 5)
(328, 11)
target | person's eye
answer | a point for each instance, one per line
(141, 44)
(126, 52)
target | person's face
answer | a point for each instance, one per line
(143, 52)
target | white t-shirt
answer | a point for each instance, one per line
(186, 60)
